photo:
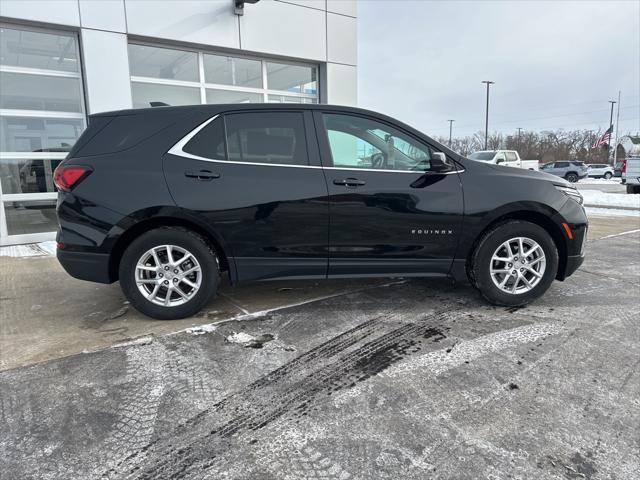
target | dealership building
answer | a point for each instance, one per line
(63, 60)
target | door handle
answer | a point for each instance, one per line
(349, 182)
(201, 175)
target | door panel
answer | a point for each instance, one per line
(273, 215)
(385, 219)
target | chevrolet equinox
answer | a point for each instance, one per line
(166, 199)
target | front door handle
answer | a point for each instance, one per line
(205, 175)
(349, 182)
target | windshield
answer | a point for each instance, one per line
(482, 156)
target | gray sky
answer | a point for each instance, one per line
(555, 64)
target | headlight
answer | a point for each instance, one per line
(571, 193)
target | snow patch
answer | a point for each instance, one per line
(42, 249)
(599, 181)
(202, 329)
(605, 199)
(611, 212)
(240, 337)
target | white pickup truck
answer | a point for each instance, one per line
(631, 174)
(508, 158)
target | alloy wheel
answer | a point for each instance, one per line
(168, 275)
(518, 265)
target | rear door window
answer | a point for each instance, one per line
(275, 138)
(511, 157)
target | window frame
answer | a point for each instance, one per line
(203, 85)
(325, 146)
(307, 126)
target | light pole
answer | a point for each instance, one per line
(612, 102)
(450, 130)
(519, 130)
(486, 122)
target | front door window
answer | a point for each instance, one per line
(360, 143)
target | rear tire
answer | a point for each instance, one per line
(608, 176)
(571, 177)
(633, 188)
(483, 262)
(169, 273)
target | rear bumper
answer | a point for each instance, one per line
(93, 267)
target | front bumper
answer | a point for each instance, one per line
(573, 263)
(93, 267)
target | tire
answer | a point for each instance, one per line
(633, 189)
(156, 273)
(608, 176)
(494, 240)
(571, 177)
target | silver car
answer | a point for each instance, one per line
(600, 170)
(570, 170)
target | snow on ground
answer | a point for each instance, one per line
(41, 249)
(596, 181)
(611, 212)
(605, 199)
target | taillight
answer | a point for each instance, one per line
(66, 176)
(624, 166)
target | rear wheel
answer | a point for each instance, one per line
(608, 175)
(571, 177)
(633, 188)
(514, 263)
(169, 273)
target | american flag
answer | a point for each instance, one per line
(605, 138)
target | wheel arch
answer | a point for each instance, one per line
(536, 217)
(134, 229)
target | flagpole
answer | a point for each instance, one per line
(612, 102)
(615, 145)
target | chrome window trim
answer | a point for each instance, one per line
(178, 150)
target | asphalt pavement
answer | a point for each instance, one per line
(399, 379)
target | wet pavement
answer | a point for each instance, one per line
(401, 379)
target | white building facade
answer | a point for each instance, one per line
(65, 59)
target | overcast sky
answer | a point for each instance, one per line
(555, 64)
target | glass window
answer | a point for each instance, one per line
(292, 78)
(31, 134)
(209, 142)
(40, 92)
(561, 164)
(232, 71)
(145, 61)
(143, 94)
(358, 142)
(269, 137)
(31, 49)
(27, 176)
(33, 216)
(227, 96)
(511, 157)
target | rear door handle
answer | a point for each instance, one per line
(349, 182)
(201, 175)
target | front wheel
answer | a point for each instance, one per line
(169, 273)
(514, 263)
(571, 177)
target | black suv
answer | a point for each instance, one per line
(165, 199)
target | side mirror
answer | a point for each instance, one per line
(499, 161)
(439, 163)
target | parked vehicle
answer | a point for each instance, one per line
(165, 199)
(631, 174)
(619, 167)
(507, 158)
(600, 170)
(570, 170)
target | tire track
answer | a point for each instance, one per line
(291, 391)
